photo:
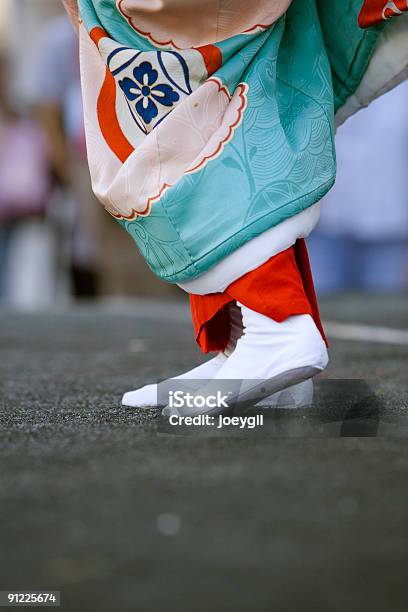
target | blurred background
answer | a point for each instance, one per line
(361, 242)
(57, 243)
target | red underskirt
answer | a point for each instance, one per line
(280, 288)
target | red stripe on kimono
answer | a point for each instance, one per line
(375, 11)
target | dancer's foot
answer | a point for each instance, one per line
(155, 394)
(298, 396)
(268, 358)
(150, 395)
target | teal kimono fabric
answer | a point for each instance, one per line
(201, 138)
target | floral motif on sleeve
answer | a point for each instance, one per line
(147, 94)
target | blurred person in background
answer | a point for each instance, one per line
(361, 241)
(27, 276)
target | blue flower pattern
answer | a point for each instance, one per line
(147, 93)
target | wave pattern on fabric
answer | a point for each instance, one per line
(209, 122)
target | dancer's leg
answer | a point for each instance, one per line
(278, 289)
(269, 357)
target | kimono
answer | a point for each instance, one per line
(210, 124)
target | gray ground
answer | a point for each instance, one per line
(310, 514)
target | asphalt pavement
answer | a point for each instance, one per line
(118, 512)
